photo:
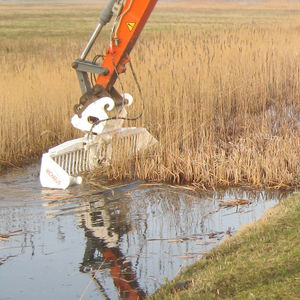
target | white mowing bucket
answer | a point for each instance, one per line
(62, 165)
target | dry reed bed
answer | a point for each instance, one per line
(37, 90)
(224, 104)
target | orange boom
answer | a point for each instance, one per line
(131, 22)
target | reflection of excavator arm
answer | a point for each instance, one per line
(123, 275)
(103, 233)
(121, 270)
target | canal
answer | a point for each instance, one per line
(120, 243)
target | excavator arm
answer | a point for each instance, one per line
(127, 29)
(130, 16)
(101, 110)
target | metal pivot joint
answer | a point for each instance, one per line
(83, 67)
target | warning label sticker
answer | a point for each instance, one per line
(130, 25)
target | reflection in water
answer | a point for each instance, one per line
(136, 240)
(103, 229)
(112, 245)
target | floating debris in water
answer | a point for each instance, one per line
(5, 236)
(236, 202)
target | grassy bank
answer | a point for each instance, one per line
(221, 89)
(262, 261)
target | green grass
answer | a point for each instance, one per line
(262, 261)
(77, 20)
(57, 22)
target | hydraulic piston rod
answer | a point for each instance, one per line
(105, 17)
(91, 41)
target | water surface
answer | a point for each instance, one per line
(89, 244)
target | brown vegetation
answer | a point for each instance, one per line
(224, 105)
(37, 92)
(223, 100)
